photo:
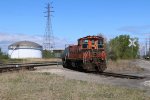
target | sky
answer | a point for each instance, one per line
(24, 20)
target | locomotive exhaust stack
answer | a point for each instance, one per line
(89, 54)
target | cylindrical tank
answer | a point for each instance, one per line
(25, 49)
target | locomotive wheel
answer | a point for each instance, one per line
(65, 64)
(102, 67)
(89, 67)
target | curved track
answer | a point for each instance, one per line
(31, 66)
(122, 75)
(111, 74)
(22, 66)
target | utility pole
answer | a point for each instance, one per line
(146, 47)
(149, 47)
(48, 40)
(143, 53)
(132, 44)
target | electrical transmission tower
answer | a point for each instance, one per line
(48, 42)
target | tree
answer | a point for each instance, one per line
(0, 51)
(48, 54)
(119, 47)
(3, 55)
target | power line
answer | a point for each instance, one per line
(48, 40)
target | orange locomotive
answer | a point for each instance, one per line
(89, 54)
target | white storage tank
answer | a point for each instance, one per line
(25, 49)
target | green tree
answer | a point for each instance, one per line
(48, 54)
(3, 55)
(119, 48)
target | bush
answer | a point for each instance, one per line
(119, 48)
(112, 55)
(3, 55)
(48, 54)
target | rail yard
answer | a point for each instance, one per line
(32, 66)
(53, 65)
(128, 79)
(95, 50)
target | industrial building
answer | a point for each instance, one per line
(58, 53)
(25, 49)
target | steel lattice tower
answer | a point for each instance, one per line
(48, 42)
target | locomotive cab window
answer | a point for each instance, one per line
(79, 42)
(85, 44)
(93, 42)
(100, 43)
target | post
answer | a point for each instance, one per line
(132, 43)
(57, 62)
(132, 53)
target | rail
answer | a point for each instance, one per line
(122, 75)
(31, 66)
(20, 66)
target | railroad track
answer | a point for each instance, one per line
(22, 66)
(122, 75)
(115, 75)
(30, 66)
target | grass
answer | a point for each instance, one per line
(123, 66)
(42, 60)
(46, 86)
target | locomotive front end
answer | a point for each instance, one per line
(94, 56)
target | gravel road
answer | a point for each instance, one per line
(144, 64)
(100, 79)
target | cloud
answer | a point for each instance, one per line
(136, 29)
(18, 37)
(147, 34)
(6, 39)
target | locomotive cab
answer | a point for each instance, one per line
(91, 42)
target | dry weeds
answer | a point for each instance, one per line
(41, 60)
(46, 86)
(123, 66)
(31, 60)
